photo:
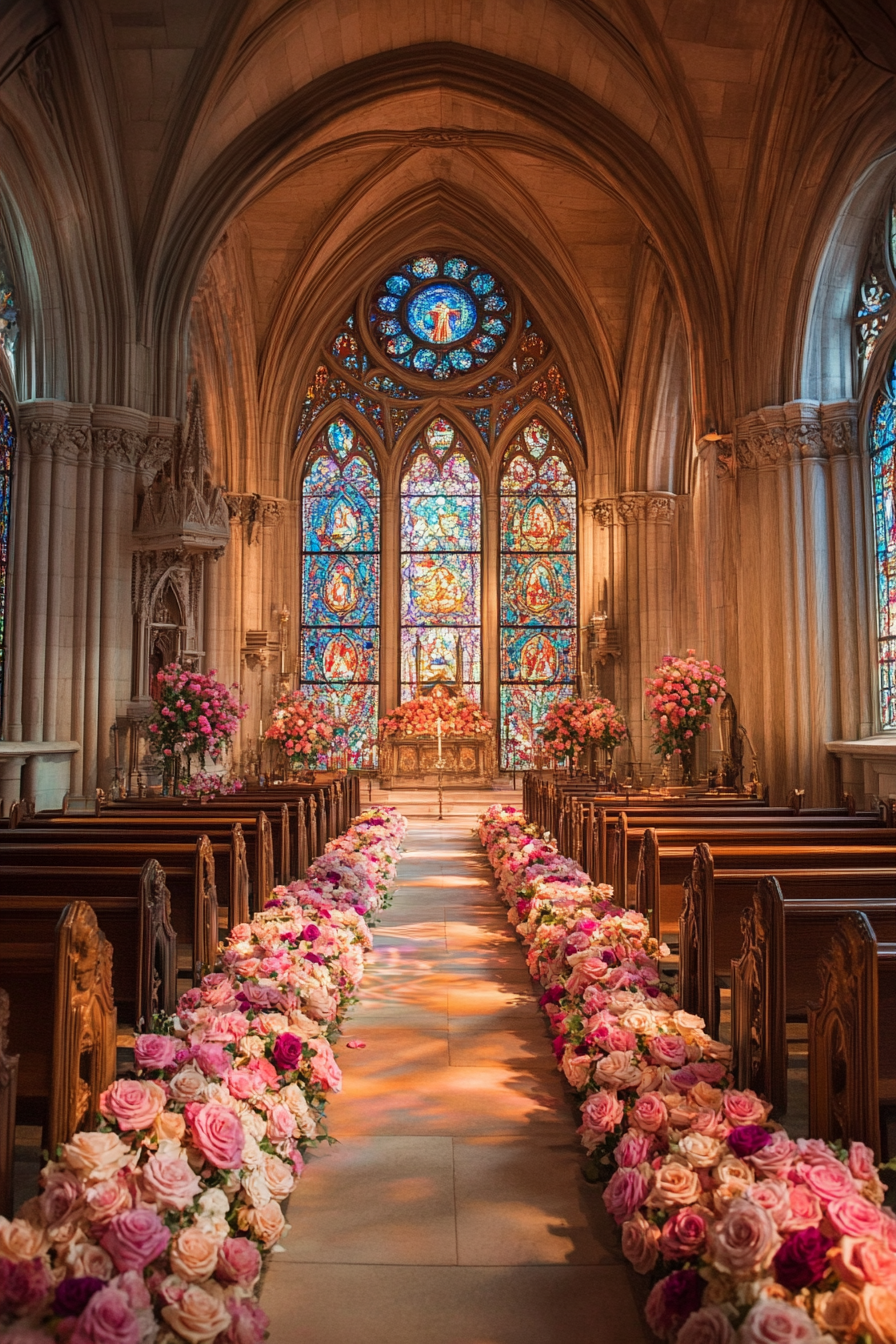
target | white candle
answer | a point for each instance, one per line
(439, 732)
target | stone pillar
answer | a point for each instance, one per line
(491, 613)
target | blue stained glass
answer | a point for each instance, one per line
(440, 559)
(7, 449)
(401, 417)
(435, 301)
(339, 645)
(883, 484)
(539, 636)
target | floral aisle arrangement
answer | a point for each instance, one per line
(304, 729)
(204, 784)
(195, 715)
(461, 716)
(680, 696)
(751, 1237)
(572, 725)
(154, 1226)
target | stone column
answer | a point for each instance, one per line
(491, 611)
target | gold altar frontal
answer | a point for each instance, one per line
(411, 759)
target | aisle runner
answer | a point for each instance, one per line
(452, 1209)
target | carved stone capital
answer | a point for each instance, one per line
(642, 506)
(799, 431)
(118, 447)
(602, 512)
(255, 512)
(631, 508)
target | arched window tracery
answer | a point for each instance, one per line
(7, 450)
(538, 585)
(882, 446)
(340, 639)
(441, 563)
(875, 298)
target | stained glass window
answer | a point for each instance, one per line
(7, 447)
(440, 315)
(883, 482)
(538, 586)
(875, 299)
(341, 583)
(440, 562)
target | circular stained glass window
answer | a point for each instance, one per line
(440, 315)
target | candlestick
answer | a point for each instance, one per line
(439, 732)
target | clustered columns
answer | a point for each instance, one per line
(70, 640)
(635, 549)
(804, 600)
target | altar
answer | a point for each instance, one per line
(410, 758)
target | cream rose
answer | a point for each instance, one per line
(189, 1084)
(279, 1176)
(256, 1188)
(95, 1156)
(744, 1240)
(674, 1185)
(194, 1255)
(266, 1223)
(700, 1149)
(21, 1240)
(197, 1317)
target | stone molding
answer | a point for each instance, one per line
(113, 435)
(799, 431)
(634, 507)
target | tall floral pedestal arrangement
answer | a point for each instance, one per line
(305, 732)
(195, 717)
(680, 697)
(411, 743)
(574, 727)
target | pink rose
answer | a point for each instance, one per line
(281, 1123)
(633, 1149)
(775, 1322)
(805, 1209)
(639, 1243)
(649, 1113)
(668, 1050)
(107, 1319)
(155, 1052)
(776, 1158)
(197, 1317)
(239, 1261)
(602, 1111)
(132, 1284)
(217, 1133)
(709, 1325)
(170, 1181)
(624, 1193)
(745, 1108)
(674, 1186)
(135, 1238)
(133, 1103)
(827, 1180)
(212, 1059)
(860, 1260)
(853, 1216)
(105, 1199)
(861, 1162)
(684, 1235)
(879, 1313)
(744, 1240)
(324, 1069)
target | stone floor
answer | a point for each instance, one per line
(452, 1209)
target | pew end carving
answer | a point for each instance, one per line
(9, 1069)
(157, 951)
(205, 915)
(758, 998)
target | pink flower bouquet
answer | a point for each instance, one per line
(303, 729)
(572, 725)
(461, 716)
(680, 696)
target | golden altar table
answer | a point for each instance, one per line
(411, 759)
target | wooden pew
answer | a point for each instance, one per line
(66, 1051)
(775, 975)
(716, 893)
(28, 847)
(165, 828)
(103, 875)
(852, 1045)
(9, 1070)
(626, 836)
(664, 867)
(136, 921)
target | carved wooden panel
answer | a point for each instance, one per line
(843, 1038)
(84, 1023)
(238, 913)
(264, 857)
(205, 911)
(758, 998)
(9, 1069)
(157, 949)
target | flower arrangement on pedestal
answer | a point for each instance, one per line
(304, 730)
(572, 725)
(680, 696)
(195, 715)
(461, 716)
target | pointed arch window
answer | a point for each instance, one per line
(7, 449)
(538, 581)
(883, 485)
(875, 300)
(441, 581)
(340, 639)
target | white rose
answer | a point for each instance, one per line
(256, 1189)
(214, 1201)
(254, 1125)
(253, 1046)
